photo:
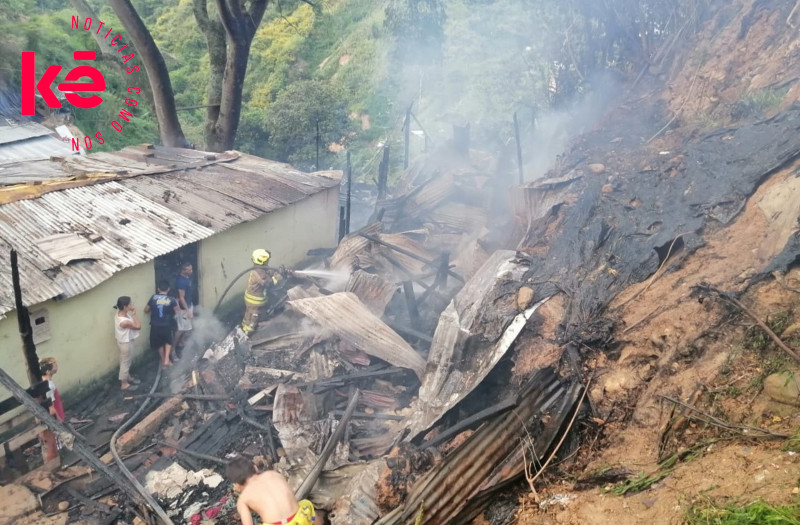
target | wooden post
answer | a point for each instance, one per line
(411, 303)
(461, 139)
(317, 163)
(519, 150)
(78, 446)
(342, 224)
(316, 470)
(349, 192)
(407, 136)
(444, 266)
(383, 174)
(24, 322)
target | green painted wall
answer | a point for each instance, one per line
(287, 233)
(81, 333)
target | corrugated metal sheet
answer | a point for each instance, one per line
(13, 131)
(140, 202)
(347, 317)
(35, 148)
(467, 344)
(456, 489)
(133, 230)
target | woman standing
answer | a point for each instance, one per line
(126, 329)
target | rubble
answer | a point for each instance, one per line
(17, 502)
(172, 481)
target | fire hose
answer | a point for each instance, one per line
(230, 285)
(138, 486)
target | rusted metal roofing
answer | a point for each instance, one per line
(128, 229)
(457, 366)
(132, 205)
(458, 488)
(345, 315)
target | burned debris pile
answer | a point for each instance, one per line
(368, 388)
(433, 359)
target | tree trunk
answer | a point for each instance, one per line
(231, 103)
(217, 53)
(240, 28)
(85, 11)
(168, 124)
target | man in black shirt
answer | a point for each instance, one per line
(162, 308)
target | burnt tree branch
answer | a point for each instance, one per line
(708, 290)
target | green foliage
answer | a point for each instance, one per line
(418, 26)
(301, 111)
(792, 444)
(756, 339)
(760, 512)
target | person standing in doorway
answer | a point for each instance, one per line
(183, 285)
(162, 308)
(126, 330)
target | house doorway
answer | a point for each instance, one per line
(169, 265)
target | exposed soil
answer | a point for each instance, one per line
(669, 343)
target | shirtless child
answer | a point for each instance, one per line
(268, 495)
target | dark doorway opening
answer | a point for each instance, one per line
(169, 265)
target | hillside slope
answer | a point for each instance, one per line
(668, 343)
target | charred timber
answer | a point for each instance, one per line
(78, 446)
(191, 453)
(316, 470)
(409, 254)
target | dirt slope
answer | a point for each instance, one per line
(744, 65)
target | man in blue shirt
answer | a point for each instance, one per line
(183, 284)
(162, 308)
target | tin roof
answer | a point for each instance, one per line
(25, 140)
(126, 208)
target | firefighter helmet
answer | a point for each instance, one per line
(260, 257)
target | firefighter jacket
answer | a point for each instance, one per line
(258, 284)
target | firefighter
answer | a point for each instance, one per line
(261, 280)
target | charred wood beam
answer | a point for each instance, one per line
(383, 178)
(474, 419)
(78, 446)
(411, 303)
(349, 193)
(519, 150)
(364, 415)
(398, 327)
(407, 253)
(199, 397)
(316, 470)
(24, 322)
(191, 453)
(407, 136)
(339, 381)
(105, 509)
(266, 428)
(389, 257)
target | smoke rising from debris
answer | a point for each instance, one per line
(206, 329)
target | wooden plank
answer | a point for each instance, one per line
(20, 439)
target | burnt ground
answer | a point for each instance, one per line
(684, 209)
